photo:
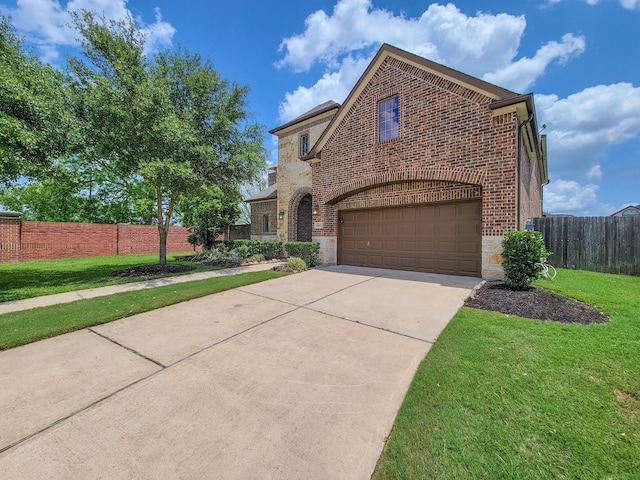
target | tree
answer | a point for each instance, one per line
(170, 119)
(36, 120)
(80, 191)
(209, 214)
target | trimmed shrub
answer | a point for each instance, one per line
(295, 265)
(523, 254)
(308, 251)
(269, 249)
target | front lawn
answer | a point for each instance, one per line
(19, 328)
(44, 277)
(502, 397)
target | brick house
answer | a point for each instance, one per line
(421, 168)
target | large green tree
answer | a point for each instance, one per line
(170, 119)
(36, 121)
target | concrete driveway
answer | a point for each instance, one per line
(298, 377)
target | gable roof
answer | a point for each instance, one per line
(619, 212)
(314, 112)
(269, 193)
(503, 100)
(386, 50)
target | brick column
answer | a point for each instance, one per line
(10, 236)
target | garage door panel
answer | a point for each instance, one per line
(468, 247)
(442, 238)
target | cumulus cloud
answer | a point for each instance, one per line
(582, 126)
(332, 86)
(569, 196)
(520, 75)
(46, 23)
(480, 45)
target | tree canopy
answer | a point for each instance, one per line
(36, 121)
(170, 119)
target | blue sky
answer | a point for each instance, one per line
(579, 57)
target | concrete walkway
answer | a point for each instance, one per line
(66, 297)
(297, 377)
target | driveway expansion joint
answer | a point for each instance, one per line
(135, 352)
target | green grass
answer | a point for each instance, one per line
(44, 277)
(19, 328)
(501, 397)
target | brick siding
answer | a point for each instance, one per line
(258, 210)
(450, 147)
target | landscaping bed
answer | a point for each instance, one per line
(534, 303)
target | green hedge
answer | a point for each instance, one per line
(270, 249)
(308, 251)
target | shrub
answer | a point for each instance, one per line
(270, 249)
(295, 265)
(523, 253)
(308, 251)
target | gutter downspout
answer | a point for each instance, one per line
(518, 147)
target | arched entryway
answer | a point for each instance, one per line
(304, 219)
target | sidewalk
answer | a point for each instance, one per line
(66, 297)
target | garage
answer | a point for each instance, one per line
(437, 238)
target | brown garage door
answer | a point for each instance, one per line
(441, 238)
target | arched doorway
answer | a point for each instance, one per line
(303, 224)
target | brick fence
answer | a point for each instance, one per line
(27, 240)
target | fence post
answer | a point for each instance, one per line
(10, 223)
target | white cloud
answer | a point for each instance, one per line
(563, 196)
(519, 76)
(46, 23)
(581, 127)
(483, 44)
(442, 33)
(332, 86)
(595, 173)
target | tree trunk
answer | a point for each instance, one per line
(162, 232)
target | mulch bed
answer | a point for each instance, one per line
(535, 303)
(152, 270)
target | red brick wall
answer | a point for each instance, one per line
(51, 240)
(9, 237)
(447, 134)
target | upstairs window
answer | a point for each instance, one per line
(303, 144)
(388, 119)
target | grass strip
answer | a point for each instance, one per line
(21, 280)
(19, 328)
(504, 397)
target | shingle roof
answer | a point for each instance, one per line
(269, 193)
(322, 108)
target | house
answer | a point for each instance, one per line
(421, 168)
(628, 210)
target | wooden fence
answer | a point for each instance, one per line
(600, 244)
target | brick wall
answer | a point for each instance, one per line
(27, 240)
(9, 237)
(258, 210)
(447, 132)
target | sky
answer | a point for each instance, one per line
(579, 57)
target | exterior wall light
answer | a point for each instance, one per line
(281, 216)
(316, 210)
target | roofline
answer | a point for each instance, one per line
(307, 116)
(386, 50)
